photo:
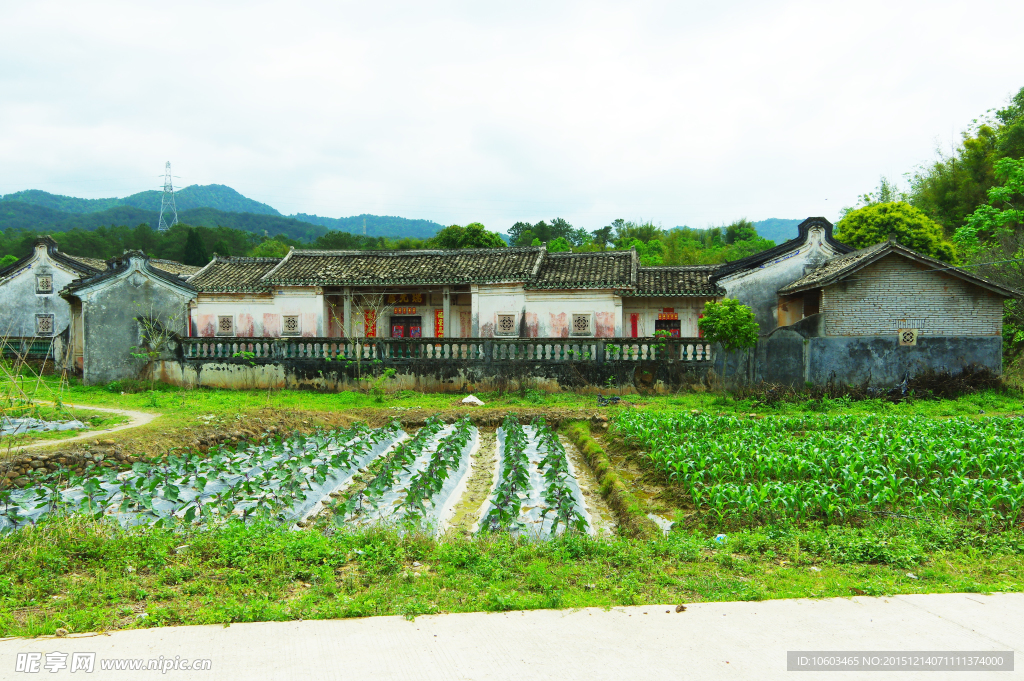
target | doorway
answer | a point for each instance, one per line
(406, 327)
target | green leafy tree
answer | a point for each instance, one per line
(195, 250)
(741, 230)
(909, 226)
(271, 248)
(730, 323)
(473, 235)
(1004, 211)
(8, 260)
(222, 248)
(559, 245)
(602, 237)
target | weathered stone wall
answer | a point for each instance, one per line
(111, 331)
(434, 376)
(894, 293)
(793, 359)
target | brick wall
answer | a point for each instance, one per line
(895, 293)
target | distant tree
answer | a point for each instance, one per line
(900, 221)
(195, 251)
(473, 235)
(1004, 211)
(730, 323)
(222, 248)
(644, 231)
(602, 237)
(741, 230)
(559, 245)
(271, 248)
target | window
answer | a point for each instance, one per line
(44, 324)
(581, 325)
(291, 325)
(44, 283)
(506, 325)
(225, 325)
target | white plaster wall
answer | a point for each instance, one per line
(688, 309)
(19, 302)
(260, 316)
(549, 313)
(495, 299)
(758, 288)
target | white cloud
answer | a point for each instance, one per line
(684, 113)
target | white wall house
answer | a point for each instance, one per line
(472, 293)
(31, 308)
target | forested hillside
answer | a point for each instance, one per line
(208, 205)
(215, 196)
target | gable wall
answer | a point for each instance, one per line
(110, 330)
(19, 302)
(758, 287)
(894, 293)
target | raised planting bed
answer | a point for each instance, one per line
(283, 480)
(420, 482)
(535, 492)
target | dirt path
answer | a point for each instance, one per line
(135, 419)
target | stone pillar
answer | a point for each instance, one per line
(620, 320)
(446, 311)
(346, 322)
(474, 294)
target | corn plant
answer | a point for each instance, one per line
(832, 466)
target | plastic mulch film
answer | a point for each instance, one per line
(283, 480)
(532, 520)
(391, 508)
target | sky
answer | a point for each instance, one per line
(682, 113)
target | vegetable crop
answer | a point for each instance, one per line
(545, 483)
(832, 466)
(279, 480)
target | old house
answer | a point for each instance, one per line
(32, 313)
(34, 318)
(125, 317)
(485, 293)
(877, 314)
(755, 280)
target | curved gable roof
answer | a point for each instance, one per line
(761, 258)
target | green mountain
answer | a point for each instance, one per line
(209, 205)
(39, 219)
(777, 229)
(195, 196)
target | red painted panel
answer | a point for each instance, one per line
(605, 322)
(271, 324)
(634, 325)
(245, 326)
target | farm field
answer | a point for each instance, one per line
(351, 505)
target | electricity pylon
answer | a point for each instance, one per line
(167, 202)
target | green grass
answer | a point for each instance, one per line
(85, 575)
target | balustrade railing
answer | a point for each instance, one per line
(396, 350)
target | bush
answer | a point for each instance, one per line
(730, 323)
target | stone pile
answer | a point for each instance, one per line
(19, 472)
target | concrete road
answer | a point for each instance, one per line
(707, 641)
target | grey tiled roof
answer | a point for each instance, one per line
(174, 267)
(608, 269)
(94, 263)
(226, 275)
(837, 268)
(406, 268)
(676, 281)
